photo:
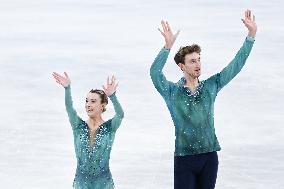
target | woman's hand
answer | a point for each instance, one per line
(64, 81)
(111, 86)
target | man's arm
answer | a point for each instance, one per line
(159, 80)
(156, 72)
(235, 66)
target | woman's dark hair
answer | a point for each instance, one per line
(102, 95)
(180, 55)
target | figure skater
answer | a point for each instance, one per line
(93, 139)
(191, 105)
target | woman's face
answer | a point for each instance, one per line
(93, 105)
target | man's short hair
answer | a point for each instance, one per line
(180, 55)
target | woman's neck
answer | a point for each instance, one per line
(95, 121)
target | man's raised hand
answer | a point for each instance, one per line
(249, 22)
(168, 34)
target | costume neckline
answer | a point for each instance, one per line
(181, 83)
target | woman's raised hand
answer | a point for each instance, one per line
(111, 86)
(62, 80)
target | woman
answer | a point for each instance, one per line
(93, 138)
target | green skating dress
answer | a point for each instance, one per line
(93, 170)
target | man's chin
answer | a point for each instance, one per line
(198, 74)
(90, 114)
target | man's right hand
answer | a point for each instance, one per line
(170, 38)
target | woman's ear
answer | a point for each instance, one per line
(103, 108)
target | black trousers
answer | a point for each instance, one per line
(196, 171)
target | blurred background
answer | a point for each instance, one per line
(91, 39)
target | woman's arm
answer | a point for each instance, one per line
(110, 90)
(65, 82)
(119, 114)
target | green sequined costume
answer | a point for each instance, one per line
(93, 160)
(193, 113)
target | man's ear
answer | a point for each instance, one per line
(181, 65)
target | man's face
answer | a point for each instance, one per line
(192, 65)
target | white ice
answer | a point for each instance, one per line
(91, 39)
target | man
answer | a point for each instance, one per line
(191, 105)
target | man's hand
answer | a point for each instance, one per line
(168, 34)
(249, 22)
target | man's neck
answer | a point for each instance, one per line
(191, 83)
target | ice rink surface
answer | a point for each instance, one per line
(92, 39)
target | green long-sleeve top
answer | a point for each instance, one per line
(93, 160)
(193, 113)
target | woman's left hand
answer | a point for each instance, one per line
(111, 86)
